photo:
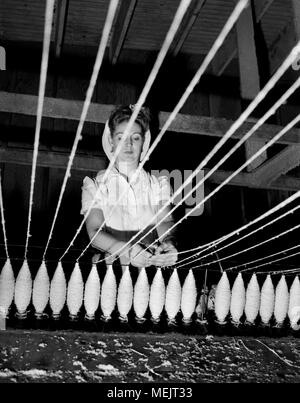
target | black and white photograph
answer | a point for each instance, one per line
(149, 194)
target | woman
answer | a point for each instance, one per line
(143, 197)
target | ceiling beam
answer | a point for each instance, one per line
(261, 8)
(187, 24)
(94, 163)
(284, 182)
(247, 55)
(278, 165)
(229, 50)
(99, 113)
(60, 25)
(287, 39)
(249, 76)
(251, 147)
(123, 20)
(51, 159)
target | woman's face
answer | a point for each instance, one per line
(132, 147)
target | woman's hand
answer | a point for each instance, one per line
(114, 254)
(165, 255)
(140, 257)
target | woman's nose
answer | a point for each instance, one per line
(128, 141)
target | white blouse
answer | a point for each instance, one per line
(137, 207)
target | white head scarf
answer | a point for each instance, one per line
(107, 145)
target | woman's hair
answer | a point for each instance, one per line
(123, 114)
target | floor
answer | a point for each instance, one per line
(77, 356)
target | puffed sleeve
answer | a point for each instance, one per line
(165, 190)
(89, 190)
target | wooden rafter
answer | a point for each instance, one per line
(251, 147)
(280, 164)
(60, 25)
(186, 25)
(229, 50)
(287, 39)
(94, 163)
(123, 20)
(248, 64)
(249, 76)
(99, 113)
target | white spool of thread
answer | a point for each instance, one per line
(58, 291)
(23, 289)
(252, 300)
(125, 295)
(238, 299)
(108, 293)
(157, 296)
(7, 287)
(141, 295)
(92, 293)
(75, 292)
(222, 299)
(281, 301)
(188, 297)
(267, 300)
(40, 292)
(173, 296)
(294, 305)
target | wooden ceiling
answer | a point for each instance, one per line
(147, 22)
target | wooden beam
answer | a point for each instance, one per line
(229, 50)
(60, 25)
(280, 164)
(251, 147)
(225, 55)
(284, 182)
(249, 75)
(248, 65)
(2, 58)
(287, 39)
(123, 20)
(261, 8)
(99, 113)
(94, 163)
(52, 159)
(186, 25)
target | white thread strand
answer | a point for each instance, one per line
(263, 258)
(42, 86)
(160, 58)
(266, 257)
(273, 261)
(266, 89)
(3, 219)
(256, 245)
(285, 272)
(250, 248)
(237, 240)
(219, 41)
(256, 220)
(98, 62)
(271, 142)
